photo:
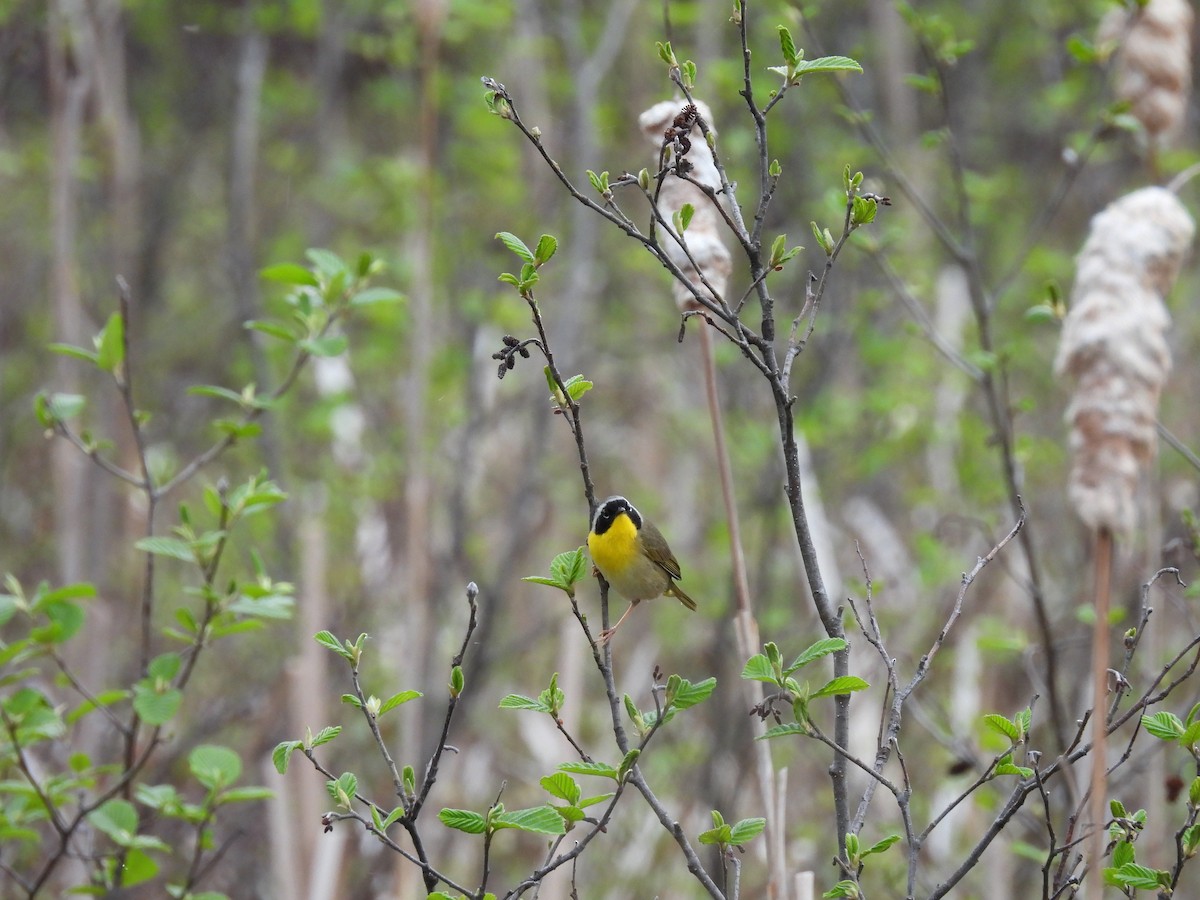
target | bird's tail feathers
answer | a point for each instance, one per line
(677, 592)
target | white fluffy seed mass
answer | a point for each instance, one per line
(703, 235)
(1153, 65)
(1114, 345)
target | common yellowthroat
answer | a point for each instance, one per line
(633, 557)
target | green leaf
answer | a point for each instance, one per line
(781, 730)
(1191, 838)
(396, 699)
(821, 648)
(1006, 767)
(72, 351)
(326, 734)
(688, 694)
(569, 567)
(843, 889)
(516, 245)
(327, 262)
(778, 246)
(687, 73)
(520, 701)
(745, 829)
(65, 620)
(1135, 876)
(376, 295)
(852, 847)
(65, 406)
(1003, 726)
(1123, 854)
(788, 46)
(758, 668)
(538, 820)
(104, 698)
(328, 346)
(282, 754)
(1082, 50)
(165, 666)
(116, 818)
(562, 786)
(1190, 735)
(722, 834)
(847, 684)
(392, 818)
(138, 868)
(826, 64)
(271, 329)
(882, 845)
(1041, 314)
(686, 212)
(601, 770)
(824, 238)
(167, 546)
(546, 247)
(246, 795)
(863, 210)
(577, 386)
(156, 707)
(214, 766)
(463, 820)
(600, 183)
(327, 640)
(628, 762)
(289, 273)
(342, 790)
(110, 344)
(1163, 725)
(457, 681)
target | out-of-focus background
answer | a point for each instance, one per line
(185, 146)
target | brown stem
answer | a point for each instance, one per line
(1099, 786)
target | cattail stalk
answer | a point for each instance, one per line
(706, 264)
(1114, 346)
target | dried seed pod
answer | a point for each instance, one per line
(703, 236)
(1153, 65)
(1114, 345)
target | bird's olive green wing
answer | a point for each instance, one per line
(657, 551)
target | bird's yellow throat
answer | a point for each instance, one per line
(615, 549)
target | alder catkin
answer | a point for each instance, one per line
(703, 234)
(1114, 345)
(1152, 69)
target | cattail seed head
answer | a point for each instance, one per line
(1153, 65)
(1114, 346)
(703, 235)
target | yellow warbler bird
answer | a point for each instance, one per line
(633, 557)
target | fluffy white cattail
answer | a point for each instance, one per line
(703, 235)
(1114, 344)
(1153, 66)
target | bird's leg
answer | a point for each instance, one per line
(607, 633)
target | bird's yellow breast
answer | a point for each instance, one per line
(616, 550)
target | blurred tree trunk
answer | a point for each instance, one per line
(70, 84)
(413, 656)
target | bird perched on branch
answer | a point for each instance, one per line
(633, 557)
